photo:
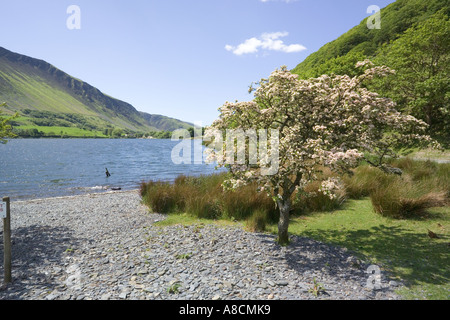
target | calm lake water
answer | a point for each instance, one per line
(42, 168)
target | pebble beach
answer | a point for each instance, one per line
(106, 247)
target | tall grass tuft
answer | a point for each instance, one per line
(242, 203)
(423, 185)
(433, 174)
(364, 180)
(312, 199)
(204, 197)
(159, 196)
(401, 200)
(257, 221)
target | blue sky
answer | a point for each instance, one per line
(179, 58)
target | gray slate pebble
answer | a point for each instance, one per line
(105, 247)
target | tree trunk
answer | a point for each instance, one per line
(283, 224)
(284, 205)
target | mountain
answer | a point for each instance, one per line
(165, 123)
(340, 55)
(45, 96)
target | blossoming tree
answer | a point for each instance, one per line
(330, 121)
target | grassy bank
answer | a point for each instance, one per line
(398, 222)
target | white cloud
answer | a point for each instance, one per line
(267, 41)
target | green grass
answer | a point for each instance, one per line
(402, 247)
(67, 131)
(188, 220)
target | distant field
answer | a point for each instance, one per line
(66, 131)
(431, 154)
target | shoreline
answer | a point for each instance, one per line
(75, 196)
(104, 246)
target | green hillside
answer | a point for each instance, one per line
(48, 99)
(414, 40)
(396, 18)
(165, 123)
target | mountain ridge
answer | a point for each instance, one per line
(28, 83)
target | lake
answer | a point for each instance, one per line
(42, 168)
